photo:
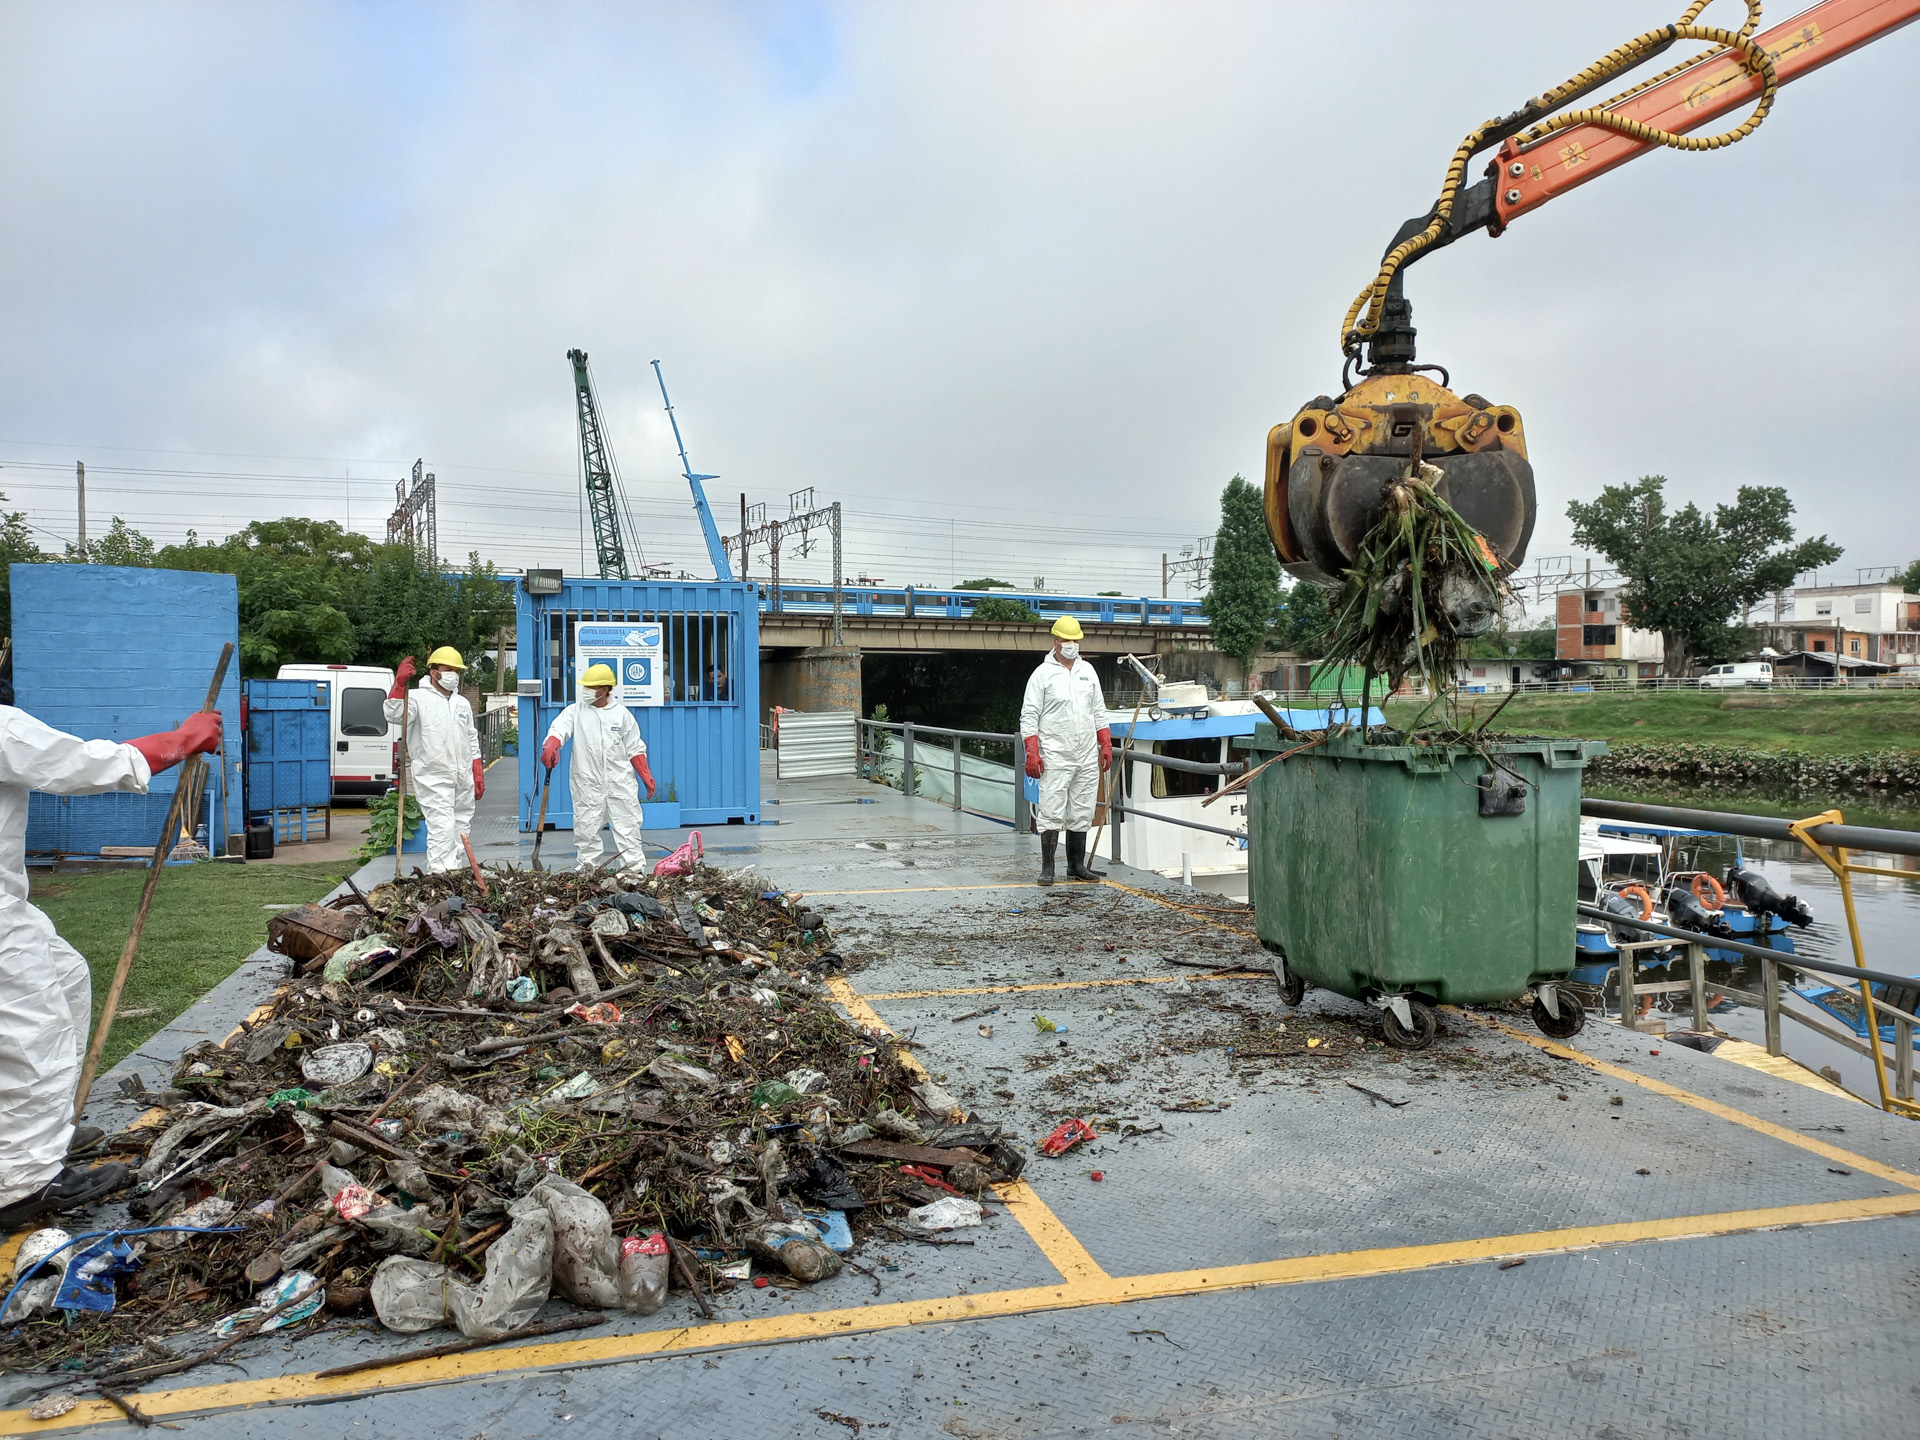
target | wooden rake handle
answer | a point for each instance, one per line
(192, 781)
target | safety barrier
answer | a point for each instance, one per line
(1829, 839)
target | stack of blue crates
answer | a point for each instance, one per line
(289, 754)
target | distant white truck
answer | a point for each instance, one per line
(364, 745)
(1746, 674)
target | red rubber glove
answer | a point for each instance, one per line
(402, 673)
(199, 732)
(550, 752)
(479, 780)
(1106, 748)
(646, 775)
(1034, 767)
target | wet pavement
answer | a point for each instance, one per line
(1268, 1249)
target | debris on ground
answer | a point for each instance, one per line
(468, 1101)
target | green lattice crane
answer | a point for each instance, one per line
(602, 479)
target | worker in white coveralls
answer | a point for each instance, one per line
(606, 745)
(46, 995)
(443, 753)
(1063, 721)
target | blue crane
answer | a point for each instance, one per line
(715, 549)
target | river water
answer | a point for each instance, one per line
(1888, 909)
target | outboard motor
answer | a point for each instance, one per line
(1687, 913)
(1625, 909)
(1761, 898)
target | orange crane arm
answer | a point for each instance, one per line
(1528, 175)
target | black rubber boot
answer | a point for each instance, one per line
(1048, 839)
(85, 1137)
(1077, 866)
(66, 1191)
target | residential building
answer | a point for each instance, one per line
(1877, 622)
(1594, 641)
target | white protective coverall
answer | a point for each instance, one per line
(605, 788)
(442, 745)
(1066, 710)
(46, 996)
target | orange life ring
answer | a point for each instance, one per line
(1628, 892)
(1719, 901)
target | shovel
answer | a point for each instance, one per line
(540, 825)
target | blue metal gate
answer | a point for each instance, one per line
(703, 740)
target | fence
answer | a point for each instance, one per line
(494, 727)
(1829, 839)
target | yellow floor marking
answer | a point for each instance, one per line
(915, 890)
(1781, 1067)
(1073, 984)
(866, 1018)
(1715, 1108)
(1059, 1244)
(1189, 912)
(1072, 1293)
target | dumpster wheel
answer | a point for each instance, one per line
(1292, 988)
(1570, 1021)
(1425, 1026)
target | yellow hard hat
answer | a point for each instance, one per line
(1068, 628)
(598, 675)
(448, 656)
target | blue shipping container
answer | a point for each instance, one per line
(665, 639)
(289, 745)
(111, 652)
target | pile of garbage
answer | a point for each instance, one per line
(481, 1090)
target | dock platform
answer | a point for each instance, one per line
(1294, 1230)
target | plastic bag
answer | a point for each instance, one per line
(796, 1246)
(298, 1283)
(897, 1125)
(440, 1108)
(207, 1215)
(643, 1273)
(682, 861)
(677, 1074)
(586, 1260)
(518, 1280)
(354, 954)
(410, 1295)
(807, 1082)
(948, 1213)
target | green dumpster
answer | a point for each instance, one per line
(1412, 876)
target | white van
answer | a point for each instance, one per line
(363, 743)
(1734, 677)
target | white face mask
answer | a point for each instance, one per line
(448, 680)
(1069, 650)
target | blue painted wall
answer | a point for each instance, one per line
(109, 652)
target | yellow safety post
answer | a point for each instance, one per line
(1835, 859)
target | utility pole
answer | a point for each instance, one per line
(743, 535)
(500, 663)
(1163, 574)
(80, 473)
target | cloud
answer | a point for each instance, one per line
(1020, 284)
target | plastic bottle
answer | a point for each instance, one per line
(643, 1273)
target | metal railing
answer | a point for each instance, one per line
(876, 756)
(1828, 838)
(493, 727)
(1624, 685)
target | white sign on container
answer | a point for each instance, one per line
(633, 652)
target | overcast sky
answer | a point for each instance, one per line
(1021, 285)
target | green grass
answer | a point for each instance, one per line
(1815, 722)
(205, 920)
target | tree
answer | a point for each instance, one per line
(986, 582)
(17, 547)
(1007, 612)
(121, 545)
(1688, 573)
(1909, 579)
(1243, 599)
(1300, 619)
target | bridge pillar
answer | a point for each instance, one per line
(818, 677)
